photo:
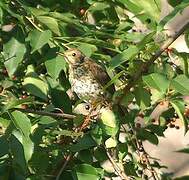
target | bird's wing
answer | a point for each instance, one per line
(100, 74)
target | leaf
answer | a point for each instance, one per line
(172, 14)
(149, 8)
(98, 6)
(21, 122)
(14, 52)
(36, 87)
(180, 84)
(182, 178)
(27, 144)
(68, 133)
(143, 134)
(85, 172)
(108, 118)
(4, 146)
(126, 55)
(157, 129)
(179, 107)
(54, 65)
(38, 39)
(51, 23)
(143, 97)
(185, 150)
(122, 149)
(86, 156)
(13, 102)
(60, 100)
(157, 81)
(47, 120)
(85, 142)
(87, 49)
(110, 142)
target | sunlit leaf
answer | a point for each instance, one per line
(14, 52)
(38, 39)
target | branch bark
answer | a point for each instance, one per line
(45, 113)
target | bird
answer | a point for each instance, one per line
(87, 78)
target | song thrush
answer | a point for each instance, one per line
(87, 78)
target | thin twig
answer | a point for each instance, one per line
(45, 113)
(31, 21)
(63, 166)
(145, 66)
(120, 172)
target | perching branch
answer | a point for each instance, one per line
(45, 113)
(145, 66)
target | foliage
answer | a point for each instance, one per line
(33, 76)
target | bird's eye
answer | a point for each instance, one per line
(87, 107)
(74, 54)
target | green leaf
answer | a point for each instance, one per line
(128, 54)
(13, 102)
(85, 142)
(86, 156)
(27, 144)
(143, 97)
(64, 103)
(185, 150)
(54, 65)
(179, 107)
(157, 81)
(147, 7)
(182, 178)
(4, 146)
(172, 14)
(14, 52)
(143, 134)
(122, 149)
(98, 6)
(38, 39)
(87, 49)
(51, 23)
(86, 171)
(68, 133)
(47, 120)
(108, 118)
(109, 122)
(36, 87)
(180, 84)
(21, 122)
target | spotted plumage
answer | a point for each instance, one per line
(87, 78)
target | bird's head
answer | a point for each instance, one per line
(74, 56)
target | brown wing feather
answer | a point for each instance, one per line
(100, 74)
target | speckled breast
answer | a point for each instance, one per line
(83, 83)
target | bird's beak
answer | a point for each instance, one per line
(63, 54)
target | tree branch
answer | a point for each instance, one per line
(120, 173)
(145, 66)
(45, 113)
